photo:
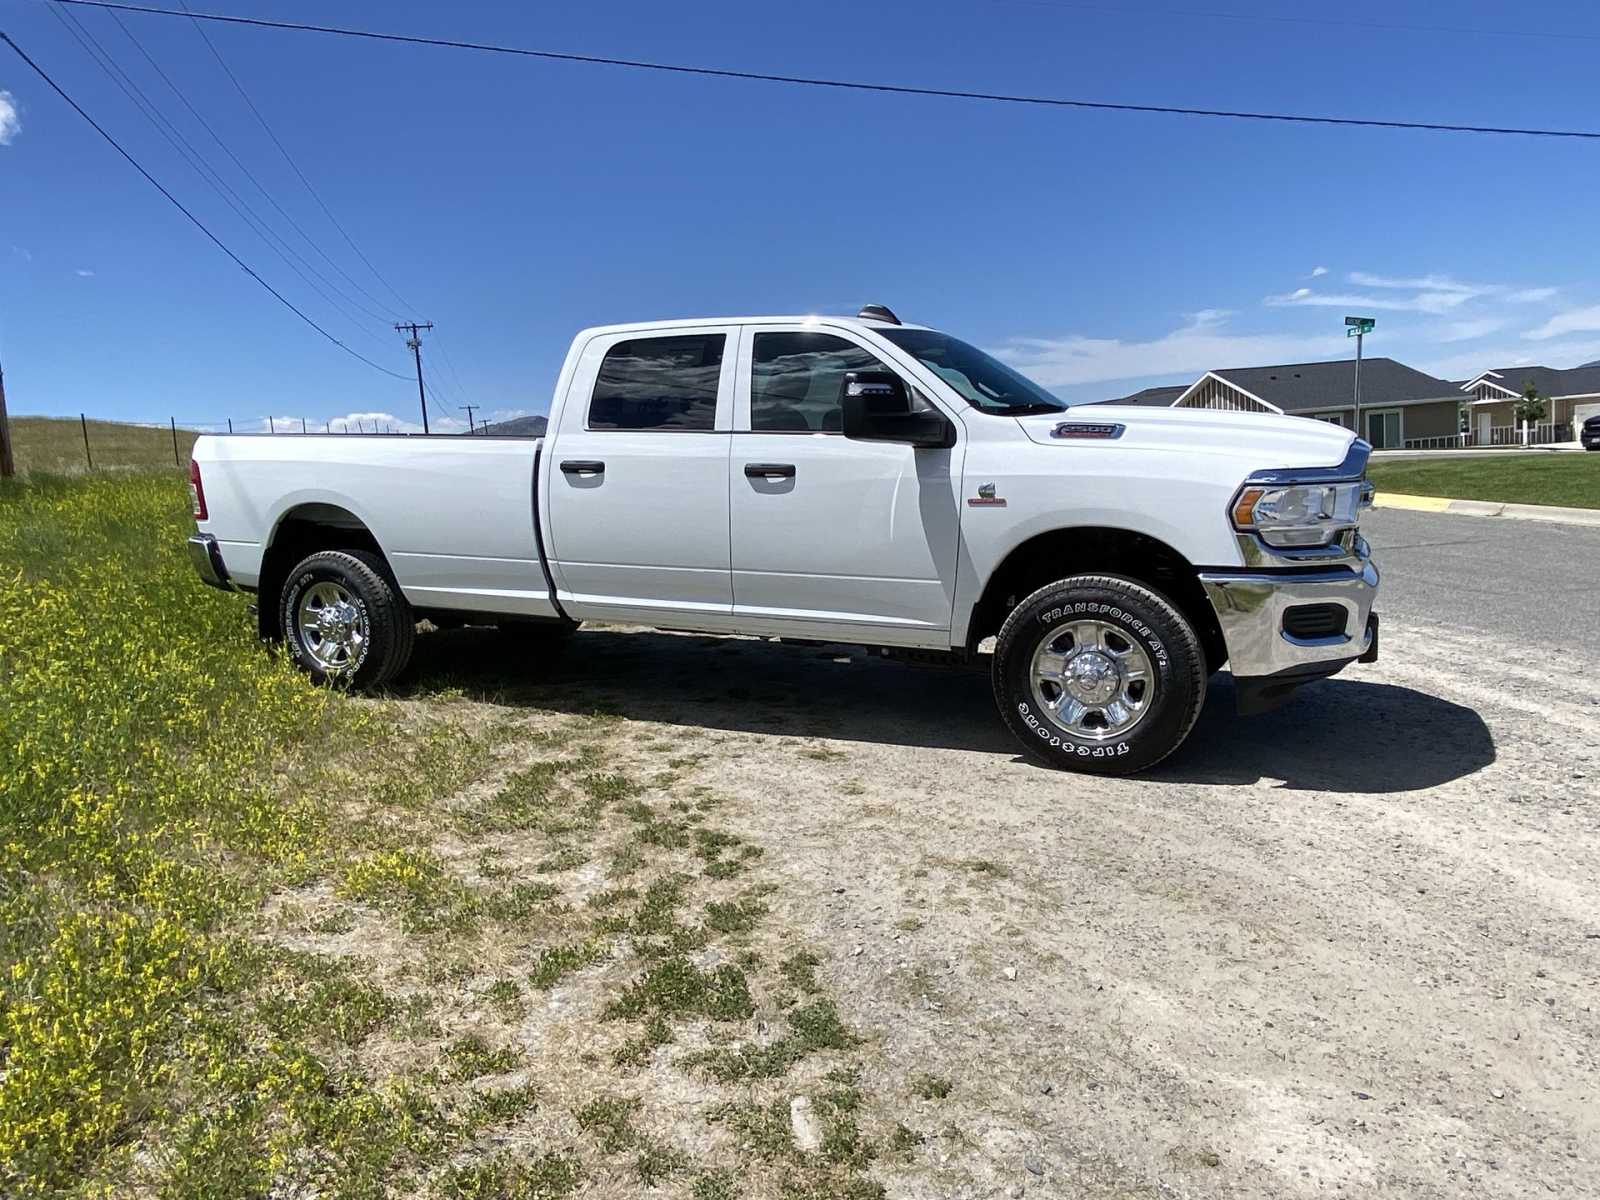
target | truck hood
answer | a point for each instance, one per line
(1263, 440)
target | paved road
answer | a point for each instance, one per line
(1493, 576)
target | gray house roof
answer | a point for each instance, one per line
(1151, 397)
(1319, 386)
(1551, 381)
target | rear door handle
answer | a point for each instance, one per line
(584, 467)
(769, 470)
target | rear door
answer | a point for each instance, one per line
(833, 537)
(638, 476)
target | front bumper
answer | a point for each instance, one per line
(206, 556)
(1268, 661)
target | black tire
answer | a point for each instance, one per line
(1136, 617)
(390, 625)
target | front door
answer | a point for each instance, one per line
(638, 477)
(830, 535)
(1383, 429)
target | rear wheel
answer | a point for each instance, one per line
(345, 621)
(1099, 673)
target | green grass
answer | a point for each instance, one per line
(234, 963)
(55, 444)
(1565, 480)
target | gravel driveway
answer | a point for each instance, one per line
(1348, 947)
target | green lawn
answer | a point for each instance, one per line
(259, 938)
(55, 444)
(1568, 480)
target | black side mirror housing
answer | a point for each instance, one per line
(875, 406)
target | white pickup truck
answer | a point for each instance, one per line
(852, 480)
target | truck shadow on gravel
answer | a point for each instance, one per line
(1339, 735)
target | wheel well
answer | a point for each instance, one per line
(1093, 550)
(305, 530)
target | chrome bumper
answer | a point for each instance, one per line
(1250, 607)
(207, 559)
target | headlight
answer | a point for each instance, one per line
(1305, 514)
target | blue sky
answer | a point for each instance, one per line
(514, 201)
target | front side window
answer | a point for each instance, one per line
(984, 382)
(659, 383)
(795, 381)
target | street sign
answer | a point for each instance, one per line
(1355, 326)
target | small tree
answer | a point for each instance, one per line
(1531, 407)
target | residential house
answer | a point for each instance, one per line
(1400, 406)
(1570, 397)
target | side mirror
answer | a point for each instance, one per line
(875, 406)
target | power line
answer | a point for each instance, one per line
(193, 220)
(250, 175)
(147, 108)
(287, 157)
(450, 364)
(839, 84)
(1273, 18)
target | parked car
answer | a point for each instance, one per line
(1590, 434)
(851, 480)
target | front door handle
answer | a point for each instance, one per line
(584, 467)
(769, 470)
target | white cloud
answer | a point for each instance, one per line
(10, 118)
(386, 422)
(23, 253)
(1423, 302)
(84, 273)
(1316, 271)
(1574, 320)
(1468, 364)
(1202, 344)
(1467, 329)
(1434, 294)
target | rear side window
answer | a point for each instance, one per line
(795, 381)
(662, 383)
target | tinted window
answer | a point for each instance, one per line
(665, 383)
(985, 382)
(795, 381)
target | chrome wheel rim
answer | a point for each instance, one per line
(333, 629)
(1092, 680)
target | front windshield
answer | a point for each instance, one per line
(985, 382)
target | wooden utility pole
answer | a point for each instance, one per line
(470, 409)
(415, 342)
(8, 464)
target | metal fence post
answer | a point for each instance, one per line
(176, 461)
(83, 421)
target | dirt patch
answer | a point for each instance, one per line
(1345, 947)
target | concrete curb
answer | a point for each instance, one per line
(1489, 508)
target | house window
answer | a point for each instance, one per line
(1330, 418)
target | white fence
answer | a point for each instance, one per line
(1499, 435)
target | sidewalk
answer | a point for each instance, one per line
(1489, 508)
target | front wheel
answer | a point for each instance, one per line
(344, 621)
(1098, 673)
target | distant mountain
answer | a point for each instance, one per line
(516, 427)
(1595, 363)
